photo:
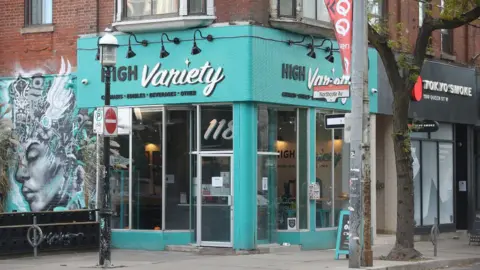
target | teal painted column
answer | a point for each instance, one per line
(312, 159)
(244, 175)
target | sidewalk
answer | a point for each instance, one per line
(450, 253)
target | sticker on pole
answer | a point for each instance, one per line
(98, 121)
(331, 92)
(110, 121)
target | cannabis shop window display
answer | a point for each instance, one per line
(283, 144)
(154, 203)
(328, 172)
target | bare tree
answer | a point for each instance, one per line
(403, 65)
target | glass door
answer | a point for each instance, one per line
(216, 211)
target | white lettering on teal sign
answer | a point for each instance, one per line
(166, 77)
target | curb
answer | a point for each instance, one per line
(429, 265)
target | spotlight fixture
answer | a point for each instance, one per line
(330, 57)
(130, 52)
(311, 47)
(163, 52)
(329, 50)
(195, 49)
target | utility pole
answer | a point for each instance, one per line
(355, 127)
(367, 259)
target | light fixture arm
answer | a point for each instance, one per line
(290, 42)
(208, 37)
(311, 46)
(97, 56)
(175, 40)
(328, 49)
(144, 42)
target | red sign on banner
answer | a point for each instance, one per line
(341, 13)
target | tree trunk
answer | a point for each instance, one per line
(404, 246)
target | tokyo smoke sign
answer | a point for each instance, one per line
(341, 12)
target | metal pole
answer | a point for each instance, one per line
(97, 177)
(359, 53)
(35, 240)
(105, 212)
(367, 259)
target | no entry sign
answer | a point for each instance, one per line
(110, 121)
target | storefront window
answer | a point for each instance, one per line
(267, 129)
(432, 156)
(287, 173)
(119, 184)
(147, 168)
(267, 174)
(266, 198)
(216, 128)
(292, 187)
(429, 182)
(178, 169)
(328, 171)
(445, 162)
(417, 189)
(302, 167)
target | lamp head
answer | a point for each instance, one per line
(163, 52)
(108, 50)
(195, 49)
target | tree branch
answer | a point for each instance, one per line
(463, 19)
(388, 57)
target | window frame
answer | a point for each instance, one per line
(317, 18)
(28, 14)
(178, 13)
(294, 10)
(446, 38)
(332, 218)
(421, 228)
(380, 7)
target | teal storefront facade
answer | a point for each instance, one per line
(220, 147)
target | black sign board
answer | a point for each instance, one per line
(333, 121)
(343, 233)
(423, 126)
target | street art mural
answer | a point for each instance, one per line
(47, 173)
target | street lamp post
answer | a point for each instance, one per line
(108, 58)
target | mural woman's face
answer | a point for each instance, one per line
(37, 174)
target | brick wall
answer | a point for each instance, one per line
(75, 17)
(43, 50)
(466, 39)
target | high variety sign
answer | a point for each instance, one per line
(163, 77)
(323, 87)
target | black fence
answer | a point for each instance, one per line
(65, 231)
